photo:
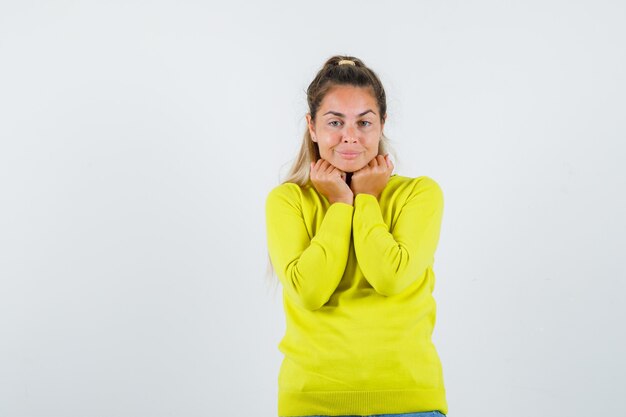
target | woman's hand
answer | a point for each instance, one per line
(331, 182)
(373, 177)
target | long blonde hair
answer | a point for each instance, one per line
(330, 75)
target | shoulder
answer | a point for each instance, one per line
(287, 190)
(288, 193)
(412, 187)
(415, 183)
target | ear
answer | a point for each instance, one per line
(384, 120)
(311, 127)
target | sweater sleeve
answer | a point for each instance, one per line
(392, 260)
(309, 268)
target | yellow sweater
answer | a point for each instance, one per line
(357, 292)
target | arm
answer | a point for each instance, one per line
(309, 269)
(392, 261)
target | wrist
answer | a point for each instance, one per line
(377, 196)
(345, 200)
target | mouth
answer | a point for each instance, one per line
(349, 155)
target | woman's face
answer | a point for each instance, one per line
(347, 127)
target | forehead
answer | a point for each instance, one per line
(348, 99)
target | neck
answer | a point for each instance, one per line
(348, 178)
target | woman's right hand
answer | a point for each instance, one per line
(330, 182)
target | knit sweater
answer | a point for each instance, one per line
(357, 293)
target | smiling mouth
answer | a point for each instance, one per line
(349, 155)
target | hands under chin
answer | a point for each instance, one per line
(373, 177)
(331, 181)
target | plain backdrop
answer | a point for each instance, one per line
(138, 142)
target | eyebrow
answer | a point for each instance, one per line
(343, 115)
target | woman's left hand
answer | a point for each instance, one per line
(373, 177)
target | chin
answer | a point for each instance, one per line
(350, 167)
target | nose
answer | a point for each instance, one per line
(349, 135)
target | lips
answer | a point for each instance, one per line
(348, 154)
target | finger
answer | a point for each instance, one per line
(314, 173)
(322, 168)
(327, 168)
(381, 160)
(317, 167)
(321, 165)
(387, 161)
(337, 171)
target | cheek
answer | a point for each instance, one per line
(324, 148)
(373, 145)
(328, 141)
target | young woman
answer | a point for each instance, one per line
(353, 247)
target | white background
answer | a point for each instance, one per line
(139, 140)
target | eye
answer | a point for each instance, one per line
(366, 123)
(332, 123)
